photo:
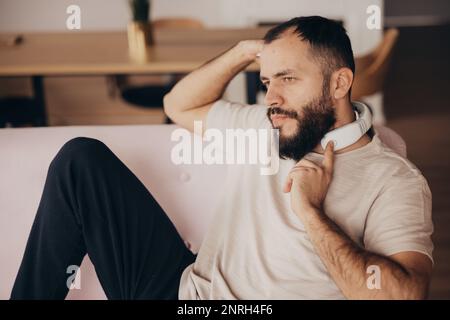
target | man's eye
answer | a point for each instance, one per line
(288, 79)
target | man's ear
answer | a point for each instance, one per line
(341, 82)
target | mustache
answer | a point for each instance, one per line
(283, 112)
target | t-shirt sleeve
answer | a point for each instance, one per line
(231, 115)
(400, 218)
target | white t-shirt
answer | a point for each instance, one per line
(257, 248)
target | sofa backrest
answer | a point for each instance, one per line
(187, 193)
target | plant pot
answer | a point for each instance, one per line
(140, 40)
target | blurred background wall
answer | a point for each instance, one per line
(85, 100)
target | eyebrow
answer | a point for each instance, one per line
(279, 74)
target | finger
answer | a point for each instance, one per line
(302, 168)
(328, 161)
(298, 174)
(307, 163)
(287, 185)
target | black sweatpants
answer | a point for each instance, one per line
(93, 204)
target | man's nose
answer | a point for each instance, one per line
(273, 98)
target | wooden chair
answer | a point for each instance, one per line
(371, 69)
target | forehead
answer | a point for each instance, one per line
(287, 52)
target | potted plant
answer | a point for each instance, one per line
(140, 33)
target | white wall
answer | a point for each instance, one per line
(50, 15)
(352, 12)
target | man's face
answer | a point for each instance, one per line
(298, 95)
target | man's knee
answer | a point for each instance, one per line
(80, 149)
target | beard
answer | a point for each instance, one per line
(316, 120)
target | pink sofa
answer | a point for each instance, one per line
(188, 193)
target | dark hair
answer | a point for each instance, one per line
(328, 40)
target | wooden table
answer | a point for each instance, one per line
(106, 53)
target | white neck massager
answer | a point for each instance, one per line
(352, 132)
